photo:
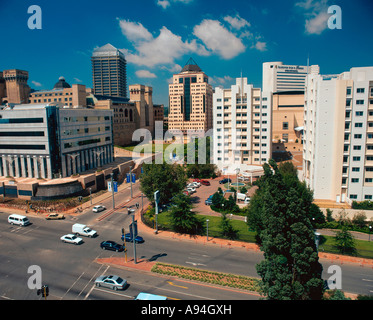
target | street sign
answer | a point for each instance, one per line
(109, 186)
(115, 186)
(133, 177)
(128, 178)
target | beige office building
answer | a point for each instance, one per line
(287, 121)
(14, 87)
(190, 100)
(338, 135)
(62, 92)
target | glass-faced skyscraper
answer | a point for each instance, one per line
(109, 71)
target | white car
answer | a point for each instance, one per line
(194, 185)
(191, 190)
(98, 208)
(71, 238)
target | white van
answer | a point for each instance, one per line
(18, 220)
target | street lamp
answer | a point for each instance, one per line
(90, 194)
(207, 228)
(370, 228)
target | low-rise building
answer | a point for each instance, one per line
(51, 141)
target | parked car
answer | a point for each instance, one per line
(55, 216)
(186, 193)
(208, 201)
(226, 180)
(112, 282)
(205, 182)
(71, 238)
(196, 180)
(128, 237)
(111, 245)
(191, 190)
(98, 208)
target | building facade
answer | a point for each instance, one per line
(14, 87)
(109, 70)
(287, 121)
(278, 77)
(62, 92)
(190, 100)
(50, 141)
(242, 125)
(338, 135)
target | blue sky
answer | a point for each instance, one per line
(158, 37)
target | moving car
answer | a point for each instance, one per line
(71, 238)
(55, 216)
(224, 181)
(83, 230)
(111, 245)
(98, 208)
(112, 282)
(138, 239)
(18, 220)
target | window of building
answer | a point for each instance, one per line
(359, 113)
(368, 197)
(285, 126)
(348, 91)
(359, 102)
(354, 180)
(360, 90)
(353, 196)
(357, 147)
(358, 125)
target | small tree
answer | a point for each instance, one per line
(345, 242)
(227, 229)
(329, 215)
(359, 219)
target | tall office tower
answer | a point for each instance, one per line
(279, 78)
(190, 100)
(109, 71)
(338, 135)
(242, 125)
(17, 90)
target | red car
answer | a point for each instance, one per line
(205, 182)
(196, 180)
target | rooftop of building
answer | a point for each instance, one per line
(107, 50)
(191, 66)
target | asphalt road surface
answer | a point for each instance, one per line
(70, 270)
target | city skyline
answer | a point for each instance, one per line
(158, 37)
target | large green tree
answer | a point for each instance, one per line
(183, 219)
(169, 179)
(280, 213)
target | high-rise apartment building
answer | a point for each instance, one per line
(109, 68)
(242, 125)
(338, 135)
(278, 77)
(190, 100)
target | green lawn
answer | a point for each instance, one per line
(327, 243)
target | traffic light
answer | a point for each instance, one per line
(43, 291)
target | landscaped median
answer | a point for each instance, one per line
(223, 279)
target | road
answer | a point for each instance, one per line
(70, 270)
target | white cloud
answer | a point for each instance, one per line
(163, 3)
(260, 45)
(166, 3)
(36, 84)
(152, 51)
(77, 80)
(317, 24)
(316, 15)
(218, 39)
(134, 31)
(237, 22)
(145, 74)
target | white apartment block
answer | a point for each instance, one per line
(338, 135)
(278, 77)
(242, 126)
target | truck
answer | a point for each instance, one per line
(83, 230)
